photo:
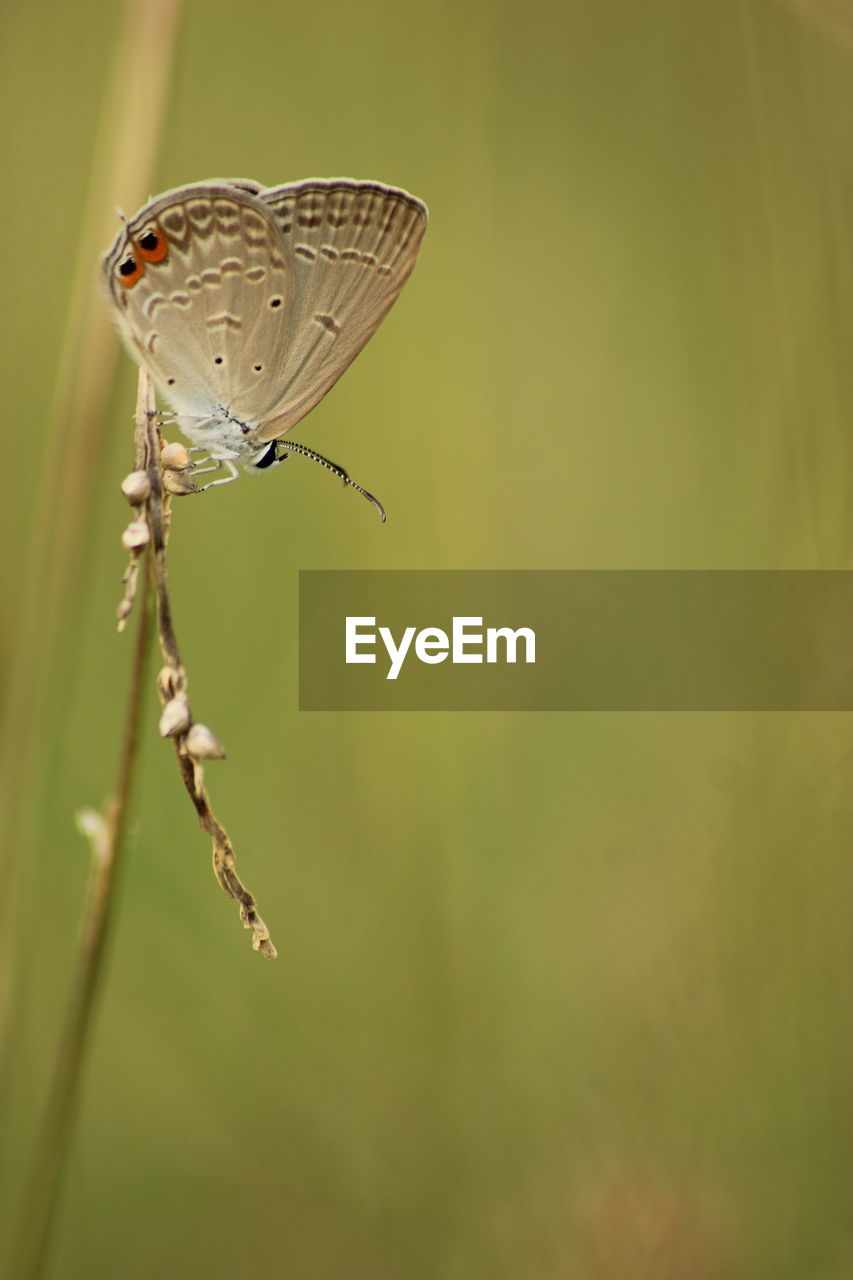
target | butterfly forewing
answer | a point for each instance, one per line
(351, 246)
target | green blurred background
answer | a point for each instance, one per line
(558, 996)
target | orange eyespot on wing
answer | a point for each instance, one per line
(152, 245)
(129, 270)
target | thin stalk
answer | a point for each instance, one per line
(38, 1212)
(41, 650)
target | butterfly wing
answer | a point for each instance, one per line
(350, 247)
(201, 289)
(248, 303)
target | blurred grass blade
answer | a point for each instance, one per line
(125, 152)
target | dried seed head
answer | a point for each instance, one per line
(202, 744)
(168, 682)
(91, 824)
(179, 483)
(136, 487)
(174, 457)
(136, 536)
(175, 719)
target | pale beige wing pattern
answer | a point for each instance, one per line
(350, 247)
(208, 318)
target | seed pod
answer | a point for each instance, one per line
(175, 719)
(179, 483)
(203, 744)
(136, 487)
(136, 536)
(174, 457)
(168, 678)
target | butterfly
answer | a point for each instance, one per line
(246, 303)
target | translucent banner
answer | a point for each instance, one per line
(575, 640)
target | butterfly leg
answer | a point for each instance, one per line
(215, 464)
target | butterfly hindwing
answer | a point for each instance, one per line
(205, 314)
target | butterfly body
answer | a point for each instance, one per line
(246, 303)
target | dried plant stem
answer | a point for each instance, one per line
(106, 832)
(192, 741)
